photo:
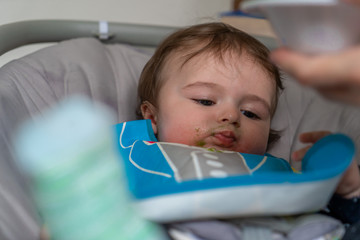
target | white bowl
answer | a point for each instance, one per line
(310, 26)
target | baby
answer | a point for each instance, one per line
(213, 86)
(217, 89)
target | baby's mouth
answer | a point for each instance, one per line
(225, 138)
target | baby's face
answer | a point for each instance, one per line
(213, 104)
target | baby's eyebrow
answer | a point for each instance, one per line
(261, 100)
(202, 84)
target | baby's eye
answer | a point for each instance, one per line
(249, 114)
(204, 102)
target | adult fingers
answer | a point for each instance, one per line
(298, 155)
(312, 137)
(309, 70)
(320, 70)
(349, 185)
(356, 2)
(345, 94)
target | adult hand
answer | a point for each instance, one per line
(356, 2)
(336, 76)
(349, 185)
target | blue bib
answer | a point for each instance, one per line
(172, 182)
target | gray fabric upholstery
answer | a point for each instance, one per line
(105, 73)
(301, 110)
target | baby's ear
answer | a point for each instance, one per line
(148, 111)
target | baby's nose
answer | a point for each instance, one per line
(236, 123)
(230, 115)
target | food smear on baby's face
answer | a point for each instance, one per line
(219, 132)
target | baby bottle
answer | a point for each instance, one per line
(75, 177)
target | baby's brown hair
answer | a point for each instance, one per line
(216, 39)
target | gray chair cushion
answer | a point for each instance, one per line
(301, 110)
(105, 73)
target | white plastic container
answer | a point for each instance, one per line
(76, 176)
(310, 26)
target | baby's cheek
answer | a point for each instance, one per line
(255, 147)
(192, 136)
(252, 142)
(257, 140)
(178, 136)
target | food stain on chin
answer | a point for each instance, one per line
(212, 149)
(211, 131)
(199, 143)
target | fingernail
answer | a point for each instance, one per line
(294, 156)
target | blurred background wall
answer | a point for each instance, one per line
(154, 12)
(159, 12)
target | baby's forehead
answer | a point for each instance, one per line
(229, 60)
(180, 58)
(228, 63)
(218, 54)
